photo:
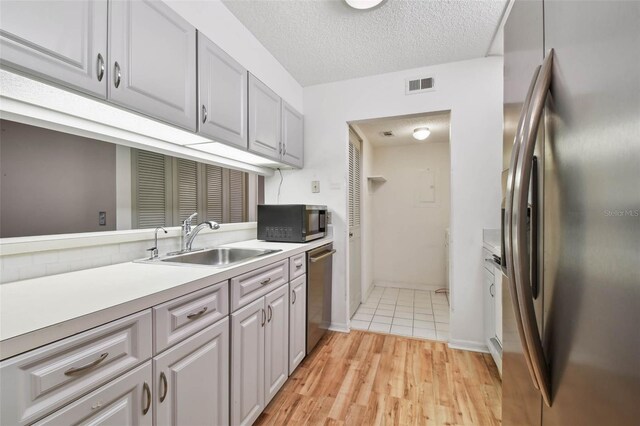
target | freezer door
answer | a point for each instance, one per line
(592, 223)
(523, 53)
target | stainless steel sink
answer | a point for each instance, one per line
(219, 257)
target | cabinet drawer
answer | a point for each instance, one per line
(122, 401)
(297, 266)
(248, 287)
(46, 378)
(180, 318)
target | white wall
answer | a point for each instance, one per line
(214, 20)
(472, 90)
(410, 253)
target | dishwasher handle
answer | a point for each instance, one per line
(322, 256)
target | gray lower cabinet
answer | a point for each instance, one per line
(265, 120)
(191, 379)
(64, 42)
(276, 342)
(292, 136)
(247, 363)
(297, 321)
(222, 95)
(152, 60)
(125, 401)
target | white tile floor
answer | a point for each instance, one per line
(404, 312)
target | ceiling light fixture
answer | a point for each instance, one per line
(421, 133)
(363, 4)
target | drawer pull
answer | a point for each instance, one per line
(74, 370)
(147, 405)
(164, 387)
(265, 282)
(197, 314)
(298, 264)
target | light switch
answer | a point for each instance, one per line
(315, 186)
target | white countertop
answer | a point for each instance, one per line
(491, 240)
(42, 310)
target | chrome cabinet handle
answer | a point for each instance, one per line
(491, 292)
(521, 264)
(75, 370)
(293, 297)
(508, 227)
(270, 313)
(116, 74)
(197, 314)
(298, 265)
(284, 149)
(100, 67)
(146, 405)
(322, 256)
(164, 387)
(265, 282)
(204, 114)
(264, 318)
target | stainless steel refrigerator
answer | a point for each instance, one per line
(571, 232)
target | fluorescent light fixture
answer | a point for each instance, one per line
(363, 4)
(223, 150)
(421, 133)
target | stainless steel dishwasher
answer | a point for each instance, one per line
(319, 275)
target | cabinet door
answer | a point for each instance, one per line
(60, 41)
(292, 136)
(222, 94)
(497, 313)
(247, 363)
(489, 306)
(276, 342)
(125, 401)
(192, 379)
(265, 126)
(297, 322)
(152, 57)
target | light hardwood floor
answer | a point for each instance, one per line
(363, 378)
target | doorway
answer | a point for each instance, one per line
(398, 247)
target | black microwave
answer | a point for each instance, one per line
(291, 223)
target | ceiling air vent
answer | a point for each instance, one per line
(419, 85)
(387, 133)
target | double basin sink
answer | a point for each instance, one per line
(220, 257)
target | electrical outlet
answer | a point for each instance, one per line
(102, 218)
(315, 186)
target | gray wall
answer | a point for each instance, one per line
(54, 183)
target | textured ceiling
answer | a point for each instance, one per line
(320, 41)
(402, 128)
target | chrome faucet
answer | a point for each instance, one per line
(192, 235)
(188, 234)
(154, 249)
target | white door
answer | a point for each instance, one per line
(276, 342)
(124, 401)
(192, 379)
(297, 322)
(247, 363)
(355, 182)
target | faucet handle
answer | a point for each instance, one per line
(190, 218)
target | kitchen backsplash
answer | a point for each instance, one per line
(23, 266)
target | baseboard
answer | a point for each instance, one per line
(469, 345)
(341, 328)
(405, 285)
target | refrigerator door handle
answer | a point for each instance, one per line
(521, 263)
(509, 254)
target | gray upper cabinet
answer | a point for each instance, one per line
(222, 95)
(152, 59)
(265, 120)
(292, 136)
(59, 41)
